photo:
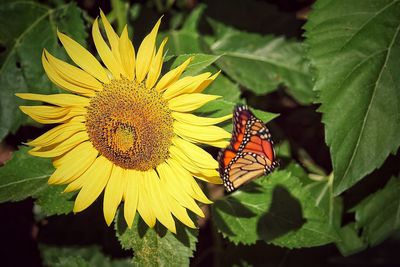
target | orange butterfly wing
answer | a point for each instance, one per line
(250, 153)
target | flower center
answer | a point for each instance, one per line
(130, 125)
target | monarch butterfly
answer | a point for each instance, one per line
(250, 153)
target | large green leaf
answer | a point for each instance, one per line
(276, 209)
(355, 47)
(78, 257)
(26, 176)
(262, 63)
(24, 38)
(379, 214)
(157, 246)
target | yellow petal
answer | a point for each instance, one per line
(160, 208)
(45, 111)
(177, 210)
(83, 58)
(190, 102)
(49, 115)
(58, 134)
(200, 134)
(61, 148)
(71, 168)
(79, 118)
(186, 85)
(203, 85)
(172, 76)
(145, 203)
(222, 143)
(171, 184)
(77, 183)
(60, 160)
(61, 82)
(72, 74)
(131, 194)
(112, 37)
(127, 52)
(155, 66)
(216, 179)
(145, 53)
(198, 155)
(196, 120)
(105, 53)
(113, 193)
(62, 100)
(205, 174)
(187, 182)
(95, 180)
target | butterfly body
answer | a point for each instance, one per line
(250, 153)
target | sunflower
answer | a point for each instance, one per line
(126, 130)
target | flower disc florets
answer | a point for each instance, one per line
(130, 125)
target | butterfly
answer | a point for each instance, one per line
(250, 153)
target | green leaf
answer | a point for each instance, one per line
(262, 63)
(157, 246)
(355, 46)
(24, 38)
(78, 257)
(283, 149)
(53, 201)
(322, 192)
(350, 243)
(276, 209)
(198, 65)
(23, 176)
(26, 176)
(187, 39)
(379, 214)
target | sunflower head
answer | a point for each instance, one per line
(126, 130)
(130, 124)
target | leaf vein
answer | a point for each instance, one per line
(370, 103)
(24, 180)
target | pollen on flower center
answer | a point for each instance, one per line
(124, 138)
(130, 125)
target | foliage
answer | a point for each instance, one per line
(158, 246)
(275, 209)
(261, 63)
(78, 257)
(24, 40)
(355, 55)
(344, 68)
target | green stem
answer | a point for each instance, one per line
(120, 10)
